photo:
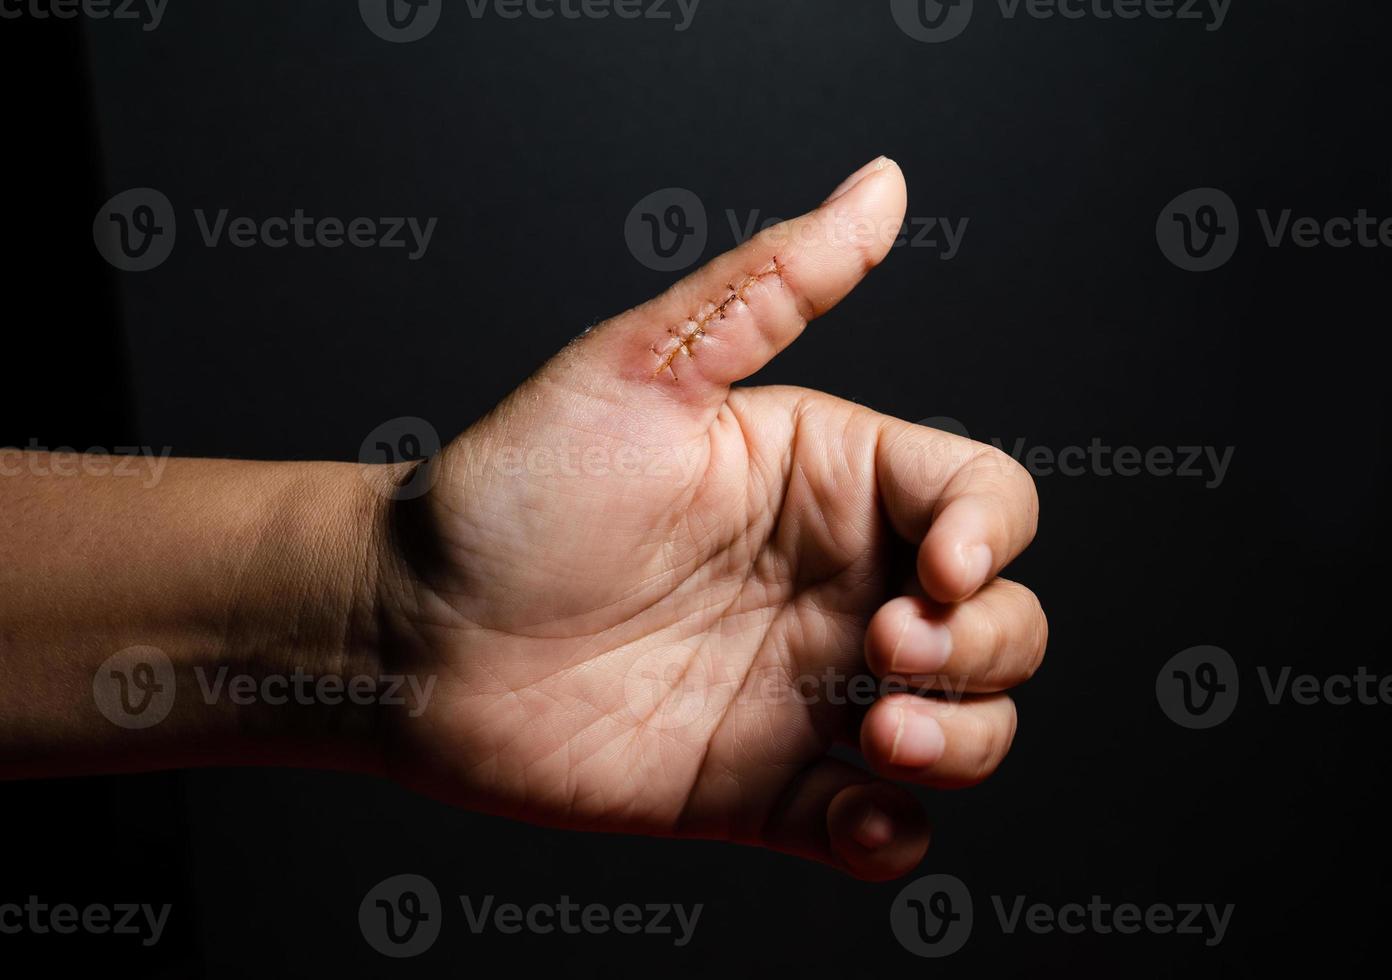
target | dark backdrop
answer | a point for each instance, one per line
(1059, 322)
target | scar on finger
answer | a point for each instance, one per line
(681, 340)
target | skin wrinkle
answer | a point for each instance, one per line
(725, 611)
(764, 651)
(685, 575)
(681, 343)
(688, 573)
(698, 779)
(791, 466)
(590, 654)
(592, 658)
(571, 791)
(568, 747)
(788, 461)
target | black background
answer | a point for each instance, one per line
(1059, 322)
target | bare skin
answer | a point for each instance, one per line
(640, 594)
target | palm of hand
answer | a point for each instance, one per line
(643, 611)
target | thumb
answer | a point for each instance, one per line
(726, 321)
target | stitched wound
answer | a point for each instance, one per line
(684, 338)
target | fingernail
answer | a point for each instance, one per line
(924, 647)
(875, 829)
(850, 183)
(918, 742)
(976, 566)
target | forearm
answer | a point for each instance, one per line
(238, 573)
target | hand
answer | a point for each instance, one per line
(641, 589)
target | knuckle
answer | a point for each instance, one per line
(1028, 496)
(1033, 633)
(1013, 482)
(992, 641)
(995, 460)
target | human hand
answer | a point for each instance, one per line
(635, 582)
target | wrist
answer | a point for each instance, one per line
(216, 616)
(301, 662)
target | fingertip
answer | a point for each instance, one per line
(958, 556)
(955, 560)
(872, 169)
(878, 831)
(974, 563)
(850, 183)
(869, 214)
